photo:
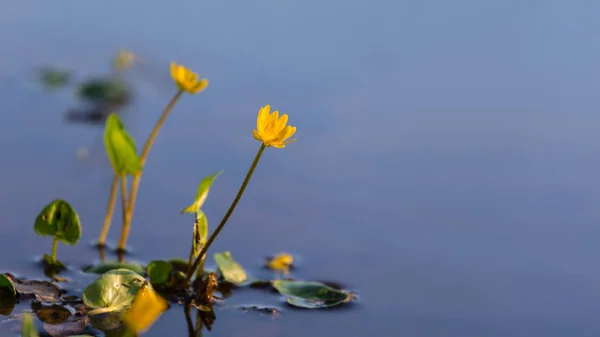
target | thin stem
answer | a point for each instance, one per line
(112, 198)
(136, 179)
(54, 248)
(228, 214)
(124, 196)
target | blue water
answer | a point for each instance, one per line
(446, 166)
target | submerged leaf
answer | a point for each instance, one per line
(113, 290)
(159, 272)
(28, 329)
(70, 328)
(103, 267)
(232, 272)
(311, 295)
(59, 219)
(120, 147)
(202, 193)
(146, 308)
(281, 262)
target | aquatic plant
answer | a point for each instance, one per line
(127, 297)
(59, 220)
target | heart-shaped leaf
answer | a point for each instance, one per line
(159, 272)
(311, 295)
(202, 193)
(120, 147)
(59, 219)
(232, 272)
(112, 291)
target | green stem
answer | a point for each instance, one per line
(54, 248)
(124, 196)
(112, 198)
(138, 176)
(228, 214)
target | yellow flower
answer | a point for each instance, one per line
(281, 262)
(272, 130)
(186, 79)
(124, 59)
(146, 308)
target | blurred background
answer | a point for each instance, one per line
(446, 167)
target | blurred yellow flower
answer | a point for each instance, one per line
(186, 79)
(281, 262)
(124, 59)
(272, 130)
(146, 308)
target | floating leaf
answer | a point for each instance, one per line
(159, 272)
(100, 90)
(8, 296)
(59, 219)
(232, 272)
(28, 328)
(42, 291)
(103, 267)
(202, 193)
(54, 78)
(112, 291)
(179, 265)
(311, 295)
(6, 287)
(120, 147)
(281, 262)
(146, 308)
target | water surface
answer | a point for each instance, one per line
(446, 164)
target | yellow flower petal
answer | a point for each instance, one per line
(281, 123)
(146, 308)
(256, 135)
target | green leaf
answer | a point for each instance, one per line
(232, 272)
(120, 147)
(112, 291)
(179, 265)
(28, 328)
(54, 78)
(105, 266)
(159, 272)
(200, 232)
(202, 193)
(59, 219)
(8, 295)
(6, 287)
(100, 90)
(311, 295)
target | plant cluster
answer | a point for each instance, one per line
(135, 295)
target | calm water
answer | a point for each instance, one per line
(446, 167)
